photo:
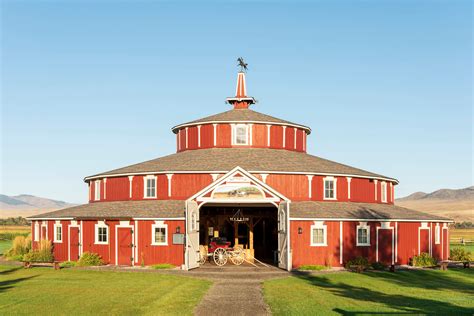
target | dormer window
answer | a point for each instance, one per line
(240, 134)
(150, 187)
(97, 190)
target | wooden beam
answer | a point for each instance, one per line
(251, 233)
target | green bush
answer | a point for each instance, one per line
(162, 266)
(424, 260)
(90, 259)
(68, 264)
(12, 235)
(378, 266)
(44, 253)
(460, 254)
(358, 261)
(313, 267)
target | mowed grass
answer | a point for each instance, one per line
(5, 245)
(467, 234)
(44, 291)
(420, 292)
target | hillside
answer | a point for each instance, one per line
(26, 205)
(457, 204)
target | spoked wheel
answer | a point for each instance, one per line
(202, 255)
(220, 256)
(237, 256)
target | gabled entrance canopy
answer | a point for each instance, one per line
(238, 186)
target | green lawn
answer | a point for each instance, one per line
(43, 291)
(423, 292)
(4, 246)
(469, 247)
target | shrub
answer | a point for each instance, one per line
(44, 253)
(424, 260)
(358, 261)
(21, 246)
(90, 259)
(378, 266)
(12, 235)
(460, 254)
(68, 264)
(162, 266)
(313, 267)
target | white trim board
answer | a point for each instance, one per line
(367, 220)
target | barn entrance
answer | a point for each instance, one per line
(253, 228)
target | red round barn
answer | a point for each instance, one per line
(245, 177)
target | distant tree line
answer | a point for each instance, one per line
(14, 221)
(464, 225)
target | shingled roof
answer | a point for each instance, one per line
(240, 115)
(175, 209)
(120, 209)
(251, 159)
(351, 210)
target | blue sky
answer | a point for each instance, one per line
(91, 86)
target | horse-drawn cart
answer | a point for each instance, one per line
(220, 251)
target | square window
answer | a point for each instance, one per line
(102, 234)
(159, 234)
(150, 187)
(330, 189)
(318, 235)
(58, 233)
(240, 135)
(363, 236)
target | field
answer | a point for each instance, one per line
(44, 291)
(459, 210)
(404, 292)
(466, 234)
(8, 233)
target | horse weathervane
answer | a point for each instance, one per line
(243, 65)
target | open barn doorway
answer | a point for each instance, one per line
(253, 228)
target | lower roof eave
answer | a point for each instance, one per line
(369, 219)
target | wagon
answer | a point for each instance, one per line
(220, 251)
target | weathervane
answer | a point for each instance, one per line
(243, 65)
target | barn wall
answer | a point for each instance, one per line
(149, 254)
(294, 187)
(185, 185)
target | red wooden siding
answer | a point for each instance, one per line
(299, 139)
(207, 136)
(276, 136)
(290, 138)
(424, 240)
(294, 187)
(118, 188)
(362, 190)
(192, 137)
(74, 243)
(385, 250)
(259, 135)
(149, 254)
(224, 135)
(185, 185)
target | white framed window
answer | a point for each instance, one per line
(58, 232)
(97, 190)
(383, 193)
(330, 188)
(37, 231)
(159, 234)
(319, 234)
(437, 234)
(101, 233)
(150, 187)
(363, 234)
(240, 134)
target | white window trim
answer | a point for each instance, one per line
(335, 188)
(37, 231)
(145, 187)
(96, 234)
(130, 186)
(234, 134)
(159, 224)
(319, 225)
(437, 234)
(348, 187)
(55, 235)
(96, 190)
(383, 191)
(363, 225)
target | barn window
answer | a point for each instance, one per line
(437, 234)
(383, 189)
(58, 232)
(363, 234)
(159, 233)
(318, 234)
(101, 233)
(330, 188)
(240, 135)
(97, 190)
(150, 186)
(37, 231)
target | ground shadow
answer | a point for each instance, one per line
(402, 304)
(10, 270)
(8, 284)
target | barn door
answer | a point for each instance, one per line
(73, 243)
(124, 246)
(283, 234)
(192, 235)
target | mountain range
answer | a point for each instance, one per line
(26, 205)
(457, 204)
